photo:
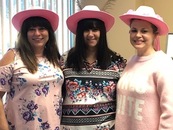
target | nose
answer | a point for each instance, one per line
(90, 33)
(138, 34)
(37, 32)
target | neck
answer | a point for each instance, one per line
(38, 52)
(145, 53)
(91, 56)
(39, 55)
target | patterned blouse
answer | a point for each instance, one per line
(89, 102)
(33, 101)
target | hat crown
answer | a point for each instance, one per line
(33, 11)
(145, 11)
(91, 8)
(148, 14)
(88, 12)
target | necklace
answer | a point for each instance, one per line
(89, 66)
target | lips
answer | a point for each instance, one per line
(37, 39)
(138, 41)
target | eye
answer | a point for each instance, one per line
(95, 29)
(133, 31)
(144, 31)
(31, 29)
(42, 28)
(86, 30)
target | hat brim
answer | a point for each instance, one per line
(162, 26)
(52, 17)
(73, 20)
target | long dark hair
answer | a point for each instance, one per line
(78, 53)
(26, 51)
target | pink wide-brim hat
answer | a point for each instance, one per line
(148, 14)
(19, 18)
(90, 11)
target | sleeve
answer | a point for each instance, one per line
(165, 91)
(6, 73)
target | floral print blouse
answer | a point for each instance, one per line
(33, 101)
(90, 96)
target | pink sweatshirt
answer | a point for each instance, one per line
(145, 94)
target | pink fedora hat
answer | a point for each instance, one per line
(52, 17)
(146, 13)
(90, 11)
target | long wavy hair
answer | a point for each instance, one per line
(25, 49)
(78, 53)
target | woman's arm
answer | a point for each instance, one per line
(3, 120)
(7, 59)
(165, 93)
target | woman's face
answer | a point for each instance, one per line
(142, 36)
(38, 37)
(91, 37)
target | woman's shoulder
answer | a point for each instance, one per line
(8, 57)
(162, 59)
(118, 57)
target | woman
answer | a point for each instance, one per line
(31, 75)
(144, 92)
(91, 72)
